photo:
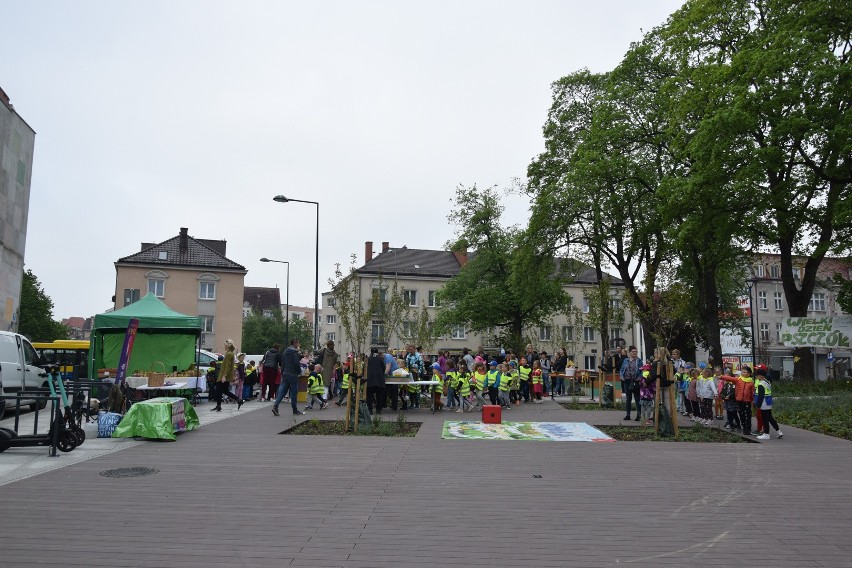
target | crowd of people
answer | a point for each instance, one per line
(466, 382)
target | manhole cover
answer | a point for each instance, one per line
(129, 472)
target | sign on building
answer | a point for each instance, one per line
(817, 332)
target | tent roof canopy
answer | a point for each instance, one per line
(151, 313)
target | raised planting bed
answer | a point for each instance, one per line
(378, 427)
(696, 433)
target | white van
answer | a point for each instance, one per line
(19, 367)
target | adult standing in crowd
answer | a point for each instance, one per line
(269, 373)
(391, 365)
(557, 384)
(530, 354)
(328, 359)
(291, 368)
(226, 375)
(544, 361)
(468, 359)
(630, 374)
(414, 363)
(375, 381)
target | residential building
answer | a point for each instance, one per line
(78, 328)
(17, 141)
(192, 276)
(769, 308)
(262, 300)
(421, 274)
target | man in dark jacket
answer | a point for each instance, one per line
(290, 370)
(375, 381)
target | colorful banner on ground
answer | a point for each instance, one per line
(126, 350)
(538, 431)
(816, 332)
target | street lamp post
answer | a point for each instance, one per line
(287, 300)
(282, 199)
(751, 285)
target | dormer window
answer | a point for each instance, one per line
(163, 255)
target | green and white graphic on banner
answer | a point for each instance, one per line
(538, 431)
(816, 332)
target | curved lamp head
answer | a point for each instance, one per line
(280, 199)
(264, 259)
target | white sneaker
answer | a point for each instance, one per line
(763, 437)
(780, 434)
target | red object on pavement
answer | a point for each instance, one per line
(492, 414)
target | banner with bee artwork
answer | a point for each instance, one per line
(536, 431)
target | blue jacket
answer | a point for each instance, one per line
(625, 364)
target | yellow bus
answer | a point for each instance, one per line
(71, 355)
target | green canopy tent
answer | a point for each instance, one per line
(164, 336)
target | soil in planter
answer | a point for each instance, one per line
(590, 406)
(694, 434)
(315, 427)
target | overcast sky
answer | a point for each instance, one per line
(151, 116)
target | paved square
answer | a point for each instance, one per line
(235, 493)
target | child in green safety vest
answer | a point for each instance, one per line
(316, 389)
(463, 387)
(536, 381)
(344, 385)
(477, 383)
(524, 372)
(504, 382)
(514, 383)
(438, 389)
(452, 381)
(491, 382)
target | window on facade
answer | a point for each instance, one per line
(779, 301)
(774, 271)
(457, 332)
(330, 302)
(377, 332)
(764, 332)
(408, 328)
(330, 336)
(207, 324)
(330, 319)
(585, 305)
(545, 332)
(817, 303)
(157, 287)
(758, 271)
(614, 333)
(409, 297)
(267, 313)
(615, 303)
(433, 299)
(207, 290)
(568, 332)
(590, 362)
(778, 332)
(588, 334)
(797, 273)
(762, 302)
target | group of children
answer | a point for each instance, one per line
(703, 393)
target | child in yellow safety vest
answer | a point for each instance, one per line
(344, 385)
(316, 389)
(524, 372)
(438, 389)
(491, 385)
(536, 381)
(504, 381)
(463, 387)
(514, 383)
(452, 382)
(477, 383)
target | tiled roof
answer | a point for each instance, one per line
(197, 254)
(262, 298)
(443, 264)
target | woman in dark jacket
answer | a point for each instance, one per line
(375, 381)
(559, 366)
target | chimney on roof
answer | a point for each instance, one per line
(184, 240)
(368, 251)
(385, 246)
(461, 256)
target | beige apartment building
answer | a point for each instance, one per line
(420, 274)
(192, 276)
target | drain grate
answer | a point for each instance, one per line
(129, 472)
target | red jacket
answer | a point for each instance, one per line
(745, 387)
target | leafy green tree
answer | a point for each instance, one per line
(506, 284)
(35, 319)
(301, 329)
(354, 312)
(261, 332)
(766, 88)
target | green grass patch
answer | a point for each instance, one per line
(378, 427)
(798, 388)
(829, 412)
(619, 406)
(696, 433)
